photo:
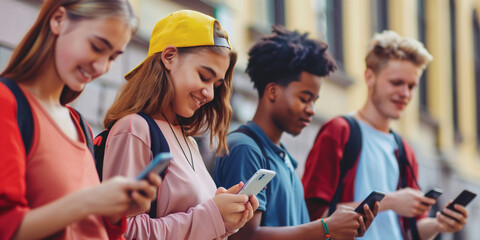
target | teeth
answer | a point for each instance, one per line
(85, 73)
(197, 100)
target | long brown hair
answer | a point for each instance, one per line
(37, 47)
(149, 89)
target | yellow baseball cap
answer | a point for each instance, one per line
(184, 28)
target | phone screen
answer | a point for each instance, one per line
(370, 200)
(158, 164)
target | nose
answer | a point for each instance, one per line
(101, 66)
(208, 92)
(405, 91)
(310, 108)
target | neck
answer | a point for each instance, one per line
(370, 115)
(170, 116)
(47, 86)
(264, 120)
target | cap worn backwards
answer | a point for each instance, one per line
(184, 28)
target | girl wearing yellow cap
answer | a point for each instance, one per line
(185, 85)
(49, 187)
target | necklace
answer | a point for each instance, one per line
(185, 139)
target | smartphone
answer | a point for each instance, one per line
(257, 182)
(463, 199)
(434, 193)
(371, 199)
(157, 165)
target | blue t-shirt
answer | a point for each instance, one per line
(282, 202)
(378, 171)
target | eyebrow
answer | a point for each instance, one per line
(309, 93)
(109, 45)
(214, 74)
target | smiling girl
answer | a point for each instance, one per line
(185, 85)
(51, 189)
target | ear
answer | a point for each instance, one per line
(271, 91)
(169, 55)
(58, 20)
(369, 77)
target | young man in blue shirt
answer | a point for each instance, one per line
(394, 65)
(286, 69)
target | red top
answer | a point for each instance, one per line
(322, 169)
(56, 166)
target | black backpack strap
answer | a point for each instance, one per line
(24, 113)
(255, 138)
(99, 151)
(350, 155)
(86, 132)
(403, 165)
(158, 144)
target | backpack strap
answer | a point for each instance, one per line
(99, 151)
(255, 138)
(350, 155)
(158, 144)
(403, 164)
(24, 113)
(86, 131)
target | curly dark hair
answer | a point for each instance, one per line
(283, 55)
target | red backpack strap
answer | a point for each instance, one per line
(350, 155)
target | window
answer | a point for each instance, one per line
(329, 27)
(422, 28)
(453, 49)
(476, 49)
(379, 20)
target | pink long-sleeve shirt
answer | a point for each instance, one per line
(184, 206)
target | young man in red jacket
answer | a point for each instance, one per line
(394, 65)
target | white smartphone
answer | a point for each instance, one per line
(157, 165)
(257, 182)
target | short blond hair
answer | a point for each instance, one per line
(388, 45)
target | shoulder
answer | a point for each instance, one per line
(240, 142)
(6, 96)
(337, 129)
(131, 124)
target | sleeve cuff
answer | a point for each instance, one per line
(116, 231)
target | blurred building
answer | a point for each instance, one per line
(442, 122)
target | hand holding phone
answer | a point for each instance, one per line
(157, 165)
(433, 193)
(371, 199)
(257, 182)
(464, 198)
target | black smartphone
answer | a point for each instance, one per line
(157, 165)
(463, 199)
(371, 199)
(433, 193)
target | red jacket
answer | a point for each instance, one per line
(322, 168)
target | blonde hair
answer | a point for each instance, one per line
(388, 45)
(149, 89)
(37, 47)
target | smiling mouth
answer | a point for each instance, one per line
(85, 74)
(198, 101)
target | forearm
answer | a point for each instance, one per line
(312, 230)
(427, 228)
(44, 221)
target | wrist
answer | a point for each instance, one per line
(326, 231)
(385, 203)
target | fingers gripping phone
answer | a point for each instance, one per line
(434, 193)
(371, 199)
(257, 182)
(463, 199)
(157, 165)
